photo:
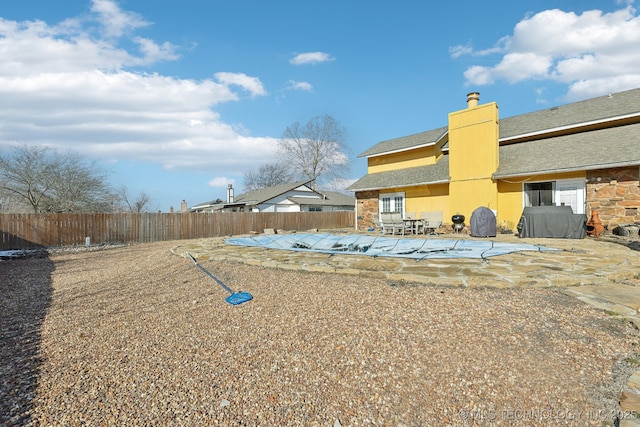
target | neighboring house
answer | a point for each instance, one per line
(294, 197)
(585, 155)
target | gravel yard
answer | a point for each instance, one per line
(139, 336)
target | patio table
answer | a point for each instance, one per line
(413, 225)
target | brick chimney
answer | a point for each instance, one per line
(183, 206)
(472, 99)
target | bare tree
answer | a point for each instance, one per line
(48, 181)
(79, 186)
(138, 204)
(316, 150)
(268, 175)
(24, 176)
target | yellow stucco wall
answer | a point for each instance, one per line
(427, 199)
(509, 204)
(473, 158)
(473, 142)
(470, 195)
(406, 159)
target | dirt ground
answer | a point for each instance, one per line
(137, 335)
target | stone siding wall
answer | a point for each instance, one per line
(367, 209)
(615, 194)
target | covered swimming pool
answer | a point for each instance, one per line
(375, 246)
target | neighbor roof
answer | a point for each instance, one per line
(330, 198)
(255, 197)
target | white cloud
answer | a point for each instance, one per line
(153, 52)
(310, 58)
(501, 46)
(65, 87)
(303, 86)
(250, 84)
(586, 52)
(116, 22)
(595, 87)
(460, 50)
(540, 92)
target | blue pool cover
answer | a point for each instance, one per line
(384, 246)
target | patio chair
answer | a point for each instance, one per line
(386, 223)
(431, 221)
(392, 222)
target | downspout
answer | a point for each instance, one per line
(355, 213)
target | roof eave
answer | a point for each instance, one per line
(401, 150)
(542, 132)
(568, 170)
(388, 187)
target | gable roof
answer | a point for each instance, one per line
(533, 152)
(255, 197)
(417, 140)
(330, 198)
(420, 175)
(603, 148)
(601, 109)
(604, 108)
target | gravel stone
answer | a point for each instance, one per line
(137, 335)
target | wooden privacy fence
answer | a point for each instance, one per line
(18, 231)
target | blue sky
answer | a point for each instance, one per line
(178, 99)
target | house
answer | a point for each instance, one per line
(294, 197)
(585, 155)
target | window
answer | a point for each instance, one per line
(315, 208)
(538, 194)
(385, 204)
(391, 202)
(564, 192)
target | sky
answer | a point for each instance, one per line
(179, 98)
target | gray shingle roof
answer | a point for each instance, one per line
(604, 107)
(405, 142)
(421, 175)
(256, 197)
(331, 199)
(337, 198)
(612, 147)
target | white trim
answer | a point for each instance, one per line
(442, 181)
(400, 150)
